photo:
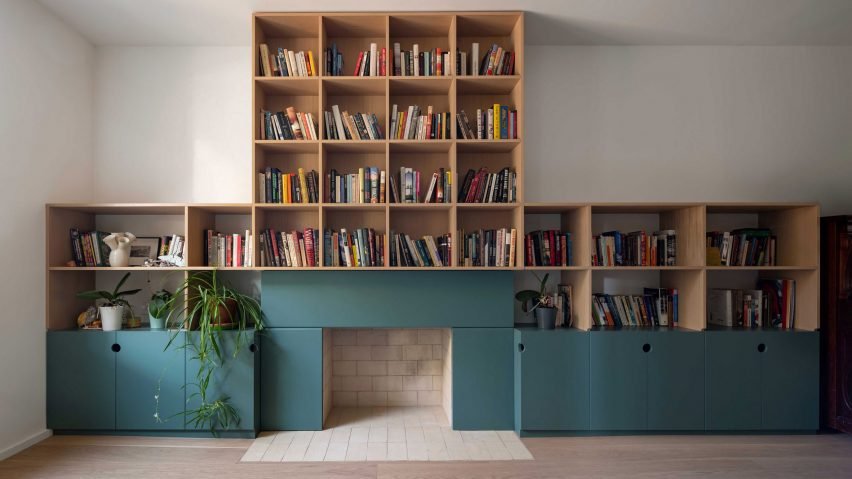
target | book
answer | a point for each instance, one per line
(230, 250)
(364, 186)
(294, 249)
(548, 248)
(414, 123)
(484, 187)
(417, 62)
(489, 248)
(655, 307)
(491, 123)
(741, 247)
(779, 303)
(88, 248)
(495, 61)
(425, 252)
(287, 125)
(564, 305)
(285, 63)
(341, 125)
(360, 248)
(637, 248)
(275, 186)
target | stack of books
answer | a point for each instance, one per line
(228, 250)
(548, 248)
(333, 61)
(488, 247)
(495, 61)
(425, 252)
(499, 122)
(286, 63)
(88, 248)
(656, 307)
(483, 187)
(361, 248)
(366, 186)
(412, 124)
(292, 250)
(614, 248)
(771, 304)
(273, 186)
(359, 126)
(741, 247)
(287, 125)
(439, 190)
(435, 62)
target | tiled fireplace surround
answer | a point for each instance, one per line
(387, 367)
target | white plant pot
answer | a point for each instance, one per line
(111, 317)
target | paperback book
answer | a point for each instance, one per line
(274, 186)
(426, 252)
(296, 249)
(637, 248)
(655, 307)
(416, 124)
(494, 247)
(368, 185)
(500, 122)
(287, 125)
(341, 125)
(359, 248)
(548, 248)
(484, 187)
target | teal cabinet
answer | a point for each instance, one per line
(235, 379)
(291, 379)
(149, 380)
(618, 383)
(482, 378)
(762, 380)
(675, 380)
(551, 380)
(80, 380)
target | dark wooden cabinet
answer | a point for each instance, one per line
(836, 324)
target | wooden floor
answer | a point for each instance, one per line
(828, 456)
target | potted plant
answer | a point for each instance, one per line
(540, 302)
(111, 304)
(212, 306)
(158, 309)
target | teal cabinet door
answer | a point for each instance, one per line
(291, 379)
(149, 380)
(482, 378)
(554, 379)
(80, 380)
(618, 383)
(790, 396)
(676, 381)
(733, 368)
(235, 379)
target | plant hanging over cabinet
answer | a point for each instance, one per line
(211, 306)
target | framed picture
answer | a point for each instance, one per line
(144, 248)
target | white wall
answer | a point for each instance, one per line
(46, 138)
(603, 124)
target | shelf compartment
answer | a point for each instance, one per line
(287, 159)
(356, 95)
(355, 217)
(353, 33)
(286, 218)
(348, 160)
(579, 278)
(441, 102)
(473, 100)
(426, 163)
(428, 31)
(572, 219)
(278, 100)
(295, 32)
(226, 219)
(504, 29)
(417, 223)
(494, 162)
(485, 216)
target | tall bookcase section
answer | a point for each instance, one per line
(352, 33)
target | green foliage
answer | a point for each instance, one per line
(110, 298)
(160, 304)
(531, 299)
(211, 304)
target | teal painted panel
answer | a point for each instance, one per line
(733, 393)
(235, 379)
(145, 370)
(80, 380)
(618, 380)
(518, 381)
(388, 299)
(554, 380)
(291, 379)
(791, 380)
(676, 381)
(482, 378)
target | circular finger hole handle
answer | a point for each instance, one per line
(521, 347)
(253, 347)
(646, 348)
(116, 348)
(761, 347)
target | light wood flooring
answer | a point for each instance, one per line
(813, 456)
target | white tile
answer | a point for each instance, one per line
(430, 367)
(437, 383)
(457, 452)
(397, 451)
(386, 353)
(429, 336)
(519, 451)
(412, 421)
(316, 451)
(344, 399)
(508, 437)
(402, 368)
(351, 383)
(344, 368)
(322, 436)
(296, 452)
(417, 451)
(396, 434)
(350, 353)
(477, 451)
(336, 451)
(432, 434)
(387, 383)
(416, 352)
(257, 449)
(402, 398)
(377, 451)
(303, 437)
(451, 436)
(437, 351)
(359, 435)
(372, 368)
(344, 337)
(498, 451)
(357, 451)
(378, 434)
(414, 434)
(279, 446)
(437, 451)
(372, 398)
(429, 398)
(417, 383)
(402, 336)
(372, 337)
(341, 434)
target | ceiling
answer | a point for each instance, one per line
(549, 22)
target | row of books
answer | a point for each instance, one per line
(424, 252)
(439, 190)
(495, 247)
(771, 304)
(637, 248)
(563, 301)
(496, 123)
(359, 126)
(371, 62)
(294, 249)
(88, 248)
(413, 124)
(360, 248)
(741, 247)
(548, 248)
(287, 125)
(286, 63)
(414, 62)
(484, 187)
(228, 250)
(366, 186)
(656, 307)
(174, 248)
(275, 186)
(495, 61)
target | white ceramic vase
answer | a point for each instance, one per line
(111, 317)
(119, 244)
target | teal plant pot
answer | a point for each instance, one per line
(157, 323)
(546, 318)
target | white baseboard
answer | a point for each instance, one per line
(32, 440)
